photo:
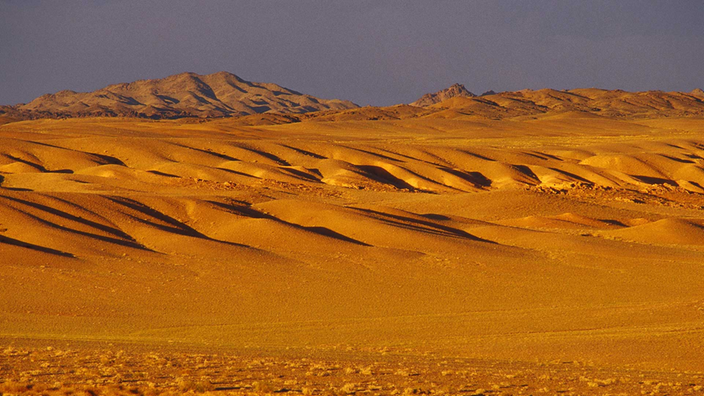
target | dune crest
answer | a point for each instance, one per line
(535, 238)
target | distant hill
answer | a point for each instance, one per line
(7, 115)
(457, 101)
(182, 95)
(226, 95)
(455, 90)
(601, 102)
(576, 103)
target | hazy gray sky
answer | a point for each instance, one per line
(371, 52)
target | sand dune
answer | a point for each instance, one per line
(666, 231)
(375, 165)
(556, 237)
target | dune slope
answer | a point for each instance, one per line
(551, 238)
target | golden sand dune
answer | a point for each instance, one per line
(571, 238)
(670, 231)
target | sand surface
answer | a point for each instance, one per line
(566, 238)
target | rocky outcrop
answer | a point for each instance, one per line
(456, 90)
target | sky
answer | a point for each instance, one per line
(374, 52)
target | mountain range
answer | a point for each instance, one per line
(224, 94)
(586, 102)
(219, 94)
(592, 101)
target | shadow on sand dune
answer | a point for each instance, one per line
(15, 242)
(249, 212)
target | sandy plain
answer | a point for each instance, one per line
(565, 247)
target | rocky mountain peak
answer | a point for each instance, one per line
(698, 92)
(452, 91)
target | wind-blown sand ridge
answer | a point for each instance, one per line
(563, 238)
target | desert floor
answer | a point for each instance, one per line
(561, 253)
